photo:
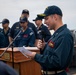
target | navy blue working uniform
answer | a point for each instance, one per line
(17, 26)
(33, 27)
(0, 29)
(26, 38)
(2, 40)
(6, 37)
(44, 32)
(57, 53)
(6, 70)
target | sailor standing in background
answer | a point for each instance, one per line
(42, 29)
(5, 31)
(2, 39)
(26, 37)
(16, 26)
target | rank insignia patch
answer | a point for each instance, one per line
(25, 36)
(51, 44)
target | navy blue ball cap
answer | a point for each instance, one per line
(4, 21)
(37, 18)
(24, 19)
(51, 10)
(25, 11)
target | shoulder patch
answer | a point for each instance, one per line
(31, 33)
(17, 27)
(51, 44)
(30, 28)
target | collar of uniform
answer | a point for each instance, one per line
(26, 31)
(7, 31)
(60, 29)
(40, 27)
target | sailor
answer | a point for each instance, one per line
(57, 52)
(26, 37)
(42, 30)
(16, 26)
(5, 31)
